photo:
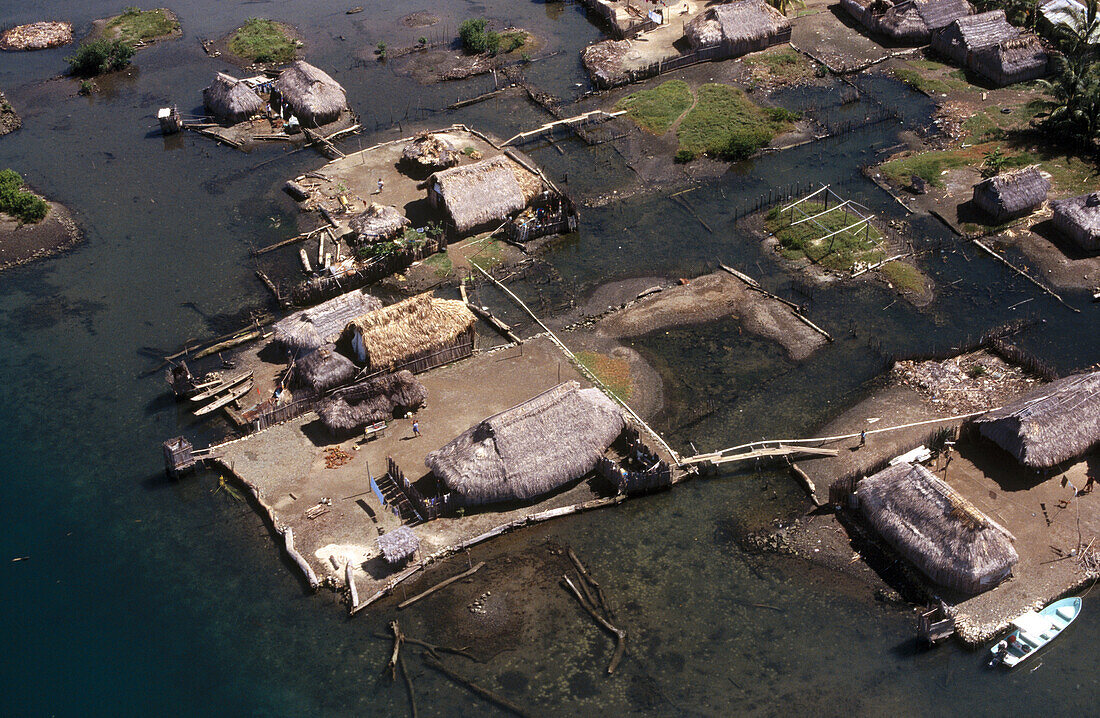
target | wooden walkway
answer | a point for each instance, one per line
(718, 457)
(587, 117)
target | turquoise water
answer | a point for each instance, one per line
(141, 595)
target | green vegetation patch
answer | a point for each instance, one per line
(24, 206)
(99, 56)
(904, 277)
(655, 110)
(613, 372)
(805, 239)
(477, 38)
(135, 25)
(932, 78)
(441, 264)
(780, 62)
(489, 255)
(724, 123)
(261, 40)
(929, 166)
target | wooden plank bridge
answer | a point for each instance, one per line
(585, 118)
(720, 457)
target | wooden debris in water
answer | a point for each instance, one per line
(473, 687)
(620, 635)
(440, 585)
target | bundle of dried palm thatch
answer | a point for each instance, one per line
(314, 97)
(429, 150)
(1054, 423)
(323, 369)
(318, 326)
(482, 194)
(230, 100)
(349, 409)
(399, 545)
(936, 529)
(417, 333)
(378, 223)
(530, 449)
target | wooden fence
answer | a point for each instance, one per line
(425, 509)
(277, 415)
(318, 289)
(662, 66)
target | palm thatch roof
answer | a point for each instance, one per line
(1013, 193)
(231, 100)
(323, 369)
(378, 223)
(604, 62)
(1079, 218)
(314, 97)
(479, 194)
(743, 26)
(430, 150)
(936, 529)
(530, 449)
(399, 545)
(1054, 423)
(318, 326)
(1018, 59)
(415, 327)
(973, 32)
(914, 21)
(349, 409)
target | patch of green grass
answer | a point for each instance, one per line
(512, 41)
(655, 110)
(134, 24)
(261, 40)
(488, 256)
(839, 252)
(922, 83)
(780, 62)
(904, 277)
(24, 206)
(928, 166)
(724, 123)
(613, 372)
(441, 264)
(99, 56)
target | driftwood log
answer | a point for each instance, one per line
(588, 577)
(620, 635)
(440, 585)
(473, 687)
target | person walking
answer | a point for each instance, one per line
(863, 437)
(416, 429)
(381, 184)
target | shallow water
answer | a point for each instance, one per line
(145, 595)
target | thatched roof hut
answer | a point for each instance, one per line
(1054, 423)
(318, 326)
(399, 545)
(429, 150)
(739, 28)
(323, 369)
(349, 409)
(482, 194)
(378, 223)
(604, 62)
(1012, 194)
(972, 33)
(314, 97)
(1017, 60)
(530, 449)
(914, 21)
(936, 529)
(417, 333)
(1079, 219)
(230, 100)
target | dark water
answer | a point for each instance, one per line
(142, 595)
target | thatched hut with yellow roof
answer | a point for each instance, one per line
(483, 194)
(417, 334)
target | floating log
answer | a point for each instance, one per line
(269, 284)
(473, 687)
(285, 242)
(588, 577)
(305, 261)
(795, 309)
(296, 191)
(1024, 274)
(811, 489)
(620, 635)
(353, 592)
(440, 585)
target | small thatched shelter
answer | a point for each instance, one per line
(936, 529)
(1054, 423)
(321, 325)
(482, 194)
(349, 409)
(417, 334)
(230, 100)
(314, 97)
(990, 46)
(398, 546)
(738, 28)
(604, 62)
(378, 223)
(323, 369)
(914, 21)
(1079, 219)
(971, 33)
(530, 449)
(1012, 194)
(430, 151)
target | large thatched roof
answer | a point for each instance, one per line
(1079, 217)
(916, 20)
(231, 100)
(399, 545)
(745, 22)
(479, 194)
(386, 338)
(323, 369)
(1012, 193)
(936, 529)
(1017, 59)
(973, 32)
(314, 97)
(317, 326)
(351, 408)
(1054, 423)
(378, 223)
(530, 449)
(430, 150)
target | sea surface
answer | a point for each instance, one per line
(142, 596)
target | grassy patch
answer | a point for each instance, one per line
(922, 83)
(655, 110)
(614, 373)
(724, 123)
(780, 62)
(904, 277)
(24, 206)
(134, 25)
(489, 256)
(441, 264)
(928, 166)
(512, 41)
(840, 251)
(99, 56)
(261, 40)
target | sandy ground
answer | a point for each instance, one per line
(285, 465)
(22, 243)
(827, 33)
(711, 297)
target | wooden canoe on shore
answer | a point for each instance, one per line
(226, 399)
(224, 385)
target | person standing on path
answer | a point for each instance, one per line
(381, 184)
(416, 429)
(863, 437)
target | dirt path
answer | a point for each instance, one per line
(675, 126)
